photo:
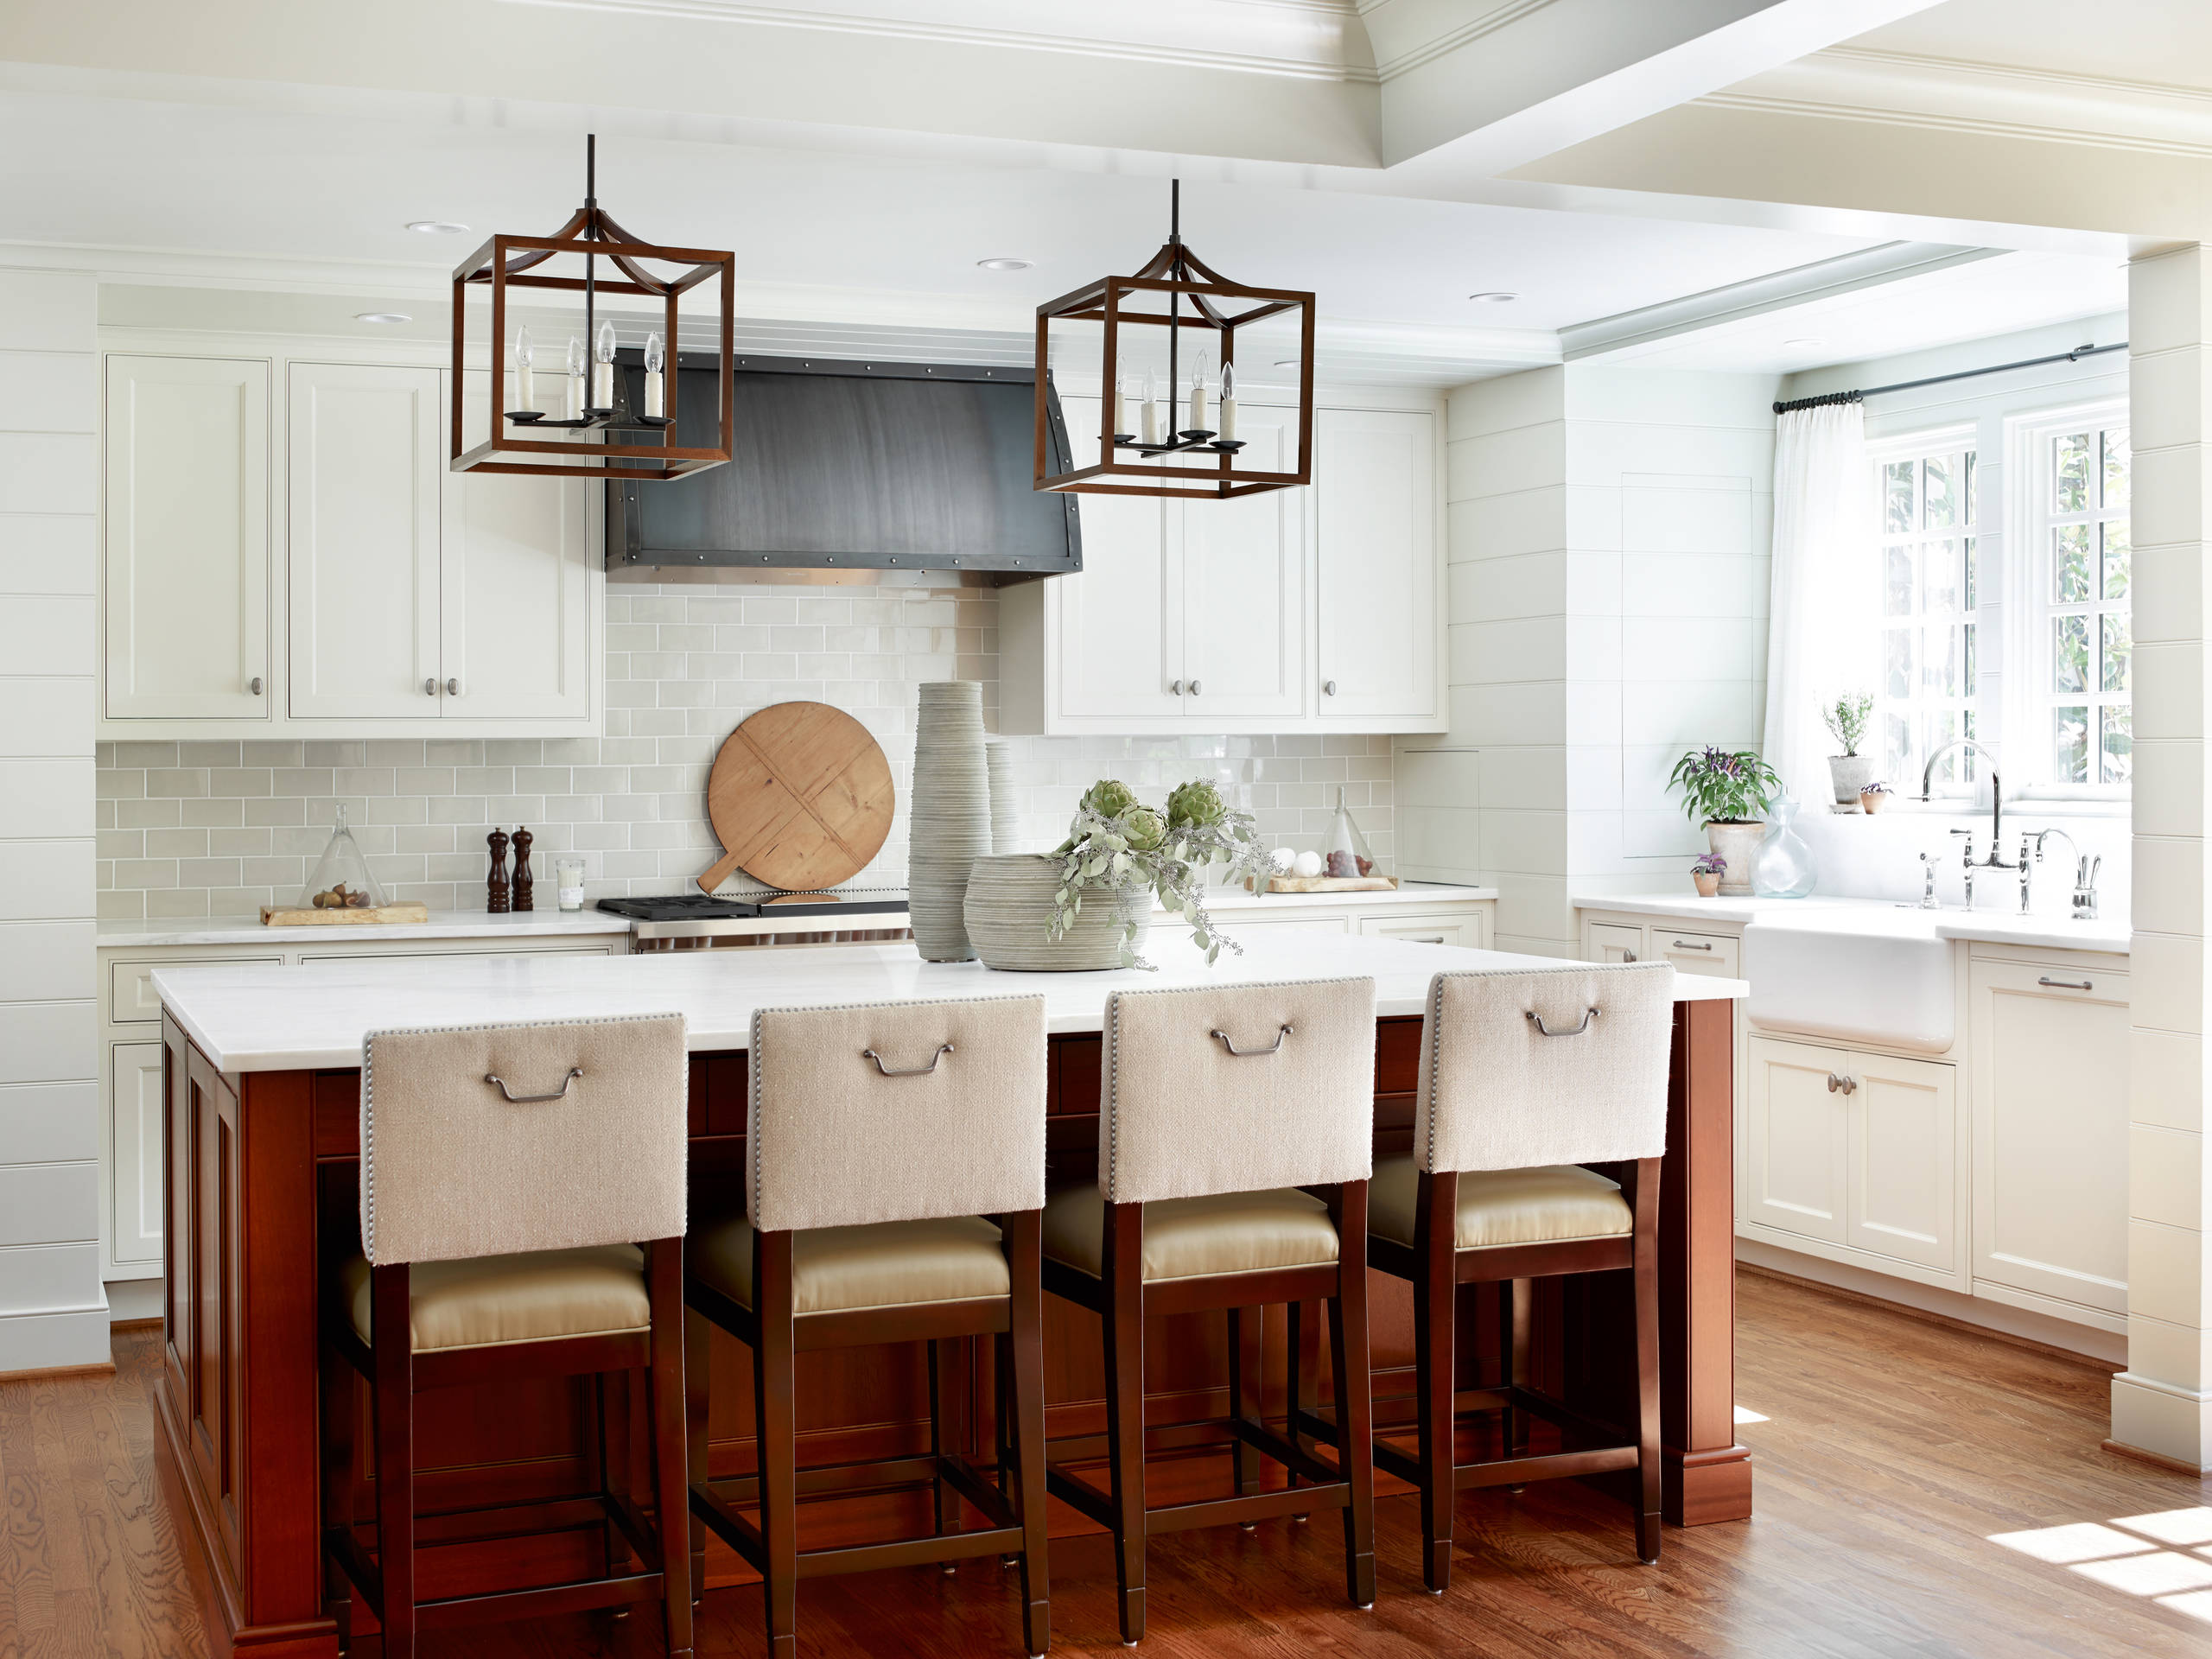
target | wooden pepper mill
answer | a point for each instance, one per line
(495, 884)
(524, 882)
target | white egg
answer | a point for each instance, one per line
(1282, 858)
(1306, 864)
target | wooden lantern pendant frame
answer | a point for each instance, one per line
(507, 262)
(1178, 273)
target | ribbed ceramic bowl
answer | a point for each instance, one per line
(1009, 912)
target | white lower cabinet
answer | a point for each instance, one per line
(135, 1169)
(2051, 1135)
(1615, 942)
(1855, 1149)
(1469, 928)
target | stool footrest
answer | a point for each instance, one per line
(1259, 1506)
(909, 1552)
(1550, 1465)
(459, 1612)
(1003, 1536)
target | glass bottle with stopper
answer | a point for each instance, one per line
(1348, 854)
(341, 879)
(602, 371)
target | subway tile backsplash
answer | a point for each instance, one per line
(201, 828)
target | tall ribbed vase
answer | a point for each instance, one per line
(999, 766)
(949, 813)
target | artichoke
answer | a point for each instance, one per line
(1110, 798)
(1196, 802)
(1145, 827)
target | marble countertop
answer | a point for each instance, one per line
(442, 924)
(2051, 929)
(257, 1018)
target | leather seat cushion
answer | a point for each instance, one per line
(1190, 1238)
(1504, 1206)
(883, 1264)
(495, 1298)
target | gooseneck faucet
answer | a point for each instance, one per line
(2085, 873)
(1996, 860)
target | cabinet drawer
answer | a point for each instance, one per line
(1231, 923)
(1715, 955)
(1615, 942)
(131, 984)
(1437, 927)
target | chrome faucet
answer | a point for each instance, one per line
(1996, 860)
(2085, 873)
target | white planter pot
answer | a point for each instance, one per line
(1736, 842)
(1009, 904)
(1850, 773)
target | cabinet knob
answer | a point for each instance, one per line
(430, 688)
(1194, 688)
(1174, 687)
(254, 685)
(453, 688)
(1328, 687)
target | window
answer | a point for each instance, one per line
(2080, 656)
(1930, 614)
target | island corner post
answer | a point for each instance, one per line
(258, 1196)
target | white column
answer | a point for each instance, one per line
(53, 1309)
(2162, 1404)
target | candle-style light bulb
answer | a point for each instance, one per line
(523, 352)
(1198, 394)
(1226, 421)
(575, 378)
(656, 363)
(1151, 406)
(1120, 428)
(602, 374)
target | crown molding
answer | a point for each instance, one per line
(1340, 59)
(1781, 290)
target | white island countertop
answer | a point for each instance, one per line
(2054, 929)
(548, 923)
(254, 1019)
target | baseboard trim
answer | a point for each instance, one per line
(2156, 1459)
(50, 1373)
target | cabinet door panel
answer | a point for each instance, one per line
(1798, 1135)
(2050, 1132)
(135, 1121)
(365, 466)
(187, 535)
(1904, 1187)
(1615, 942)
(1713, 954)
(1375, 494)
(1120, 619)
(1463, 928)
(515, 577)
(1244, 587)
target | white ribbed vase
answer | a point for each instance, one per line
(949, 816)
(998, 765)
(1011, 899)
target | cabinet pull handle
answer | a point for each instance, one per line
(1841, 1085)
(1537, 1020)
(575, 1072)
(1424, 938)
(430, 688)
(1328, 687)
(1274, 1047)
(453, 688)
(1628, 956)
(254, 685)
(2068, 984)
(943, 1049)
(1685, 945)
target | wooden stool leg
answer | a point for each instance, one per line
(1514, 1300)
(336, 1415)
(1647, 1359)
(1435, 1367)
(605, 1406)
(1244, 1327)
(391, 1347)
(948, 1503)
(1124, 1289)
(1302, 1362)
(670, 1440)
(1355, 1394)
(1023, 1351)
(698, 1392)
(776, 1427)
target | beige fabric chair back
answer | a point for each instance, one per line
(1497, 1092)
(1236, 1089)
(498, 1140)
(896, 1112)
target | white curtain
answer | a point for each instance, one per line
(1822, 632)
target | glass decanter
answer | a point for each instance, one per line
(1348, 853)
(1782, 866)
(341, 879)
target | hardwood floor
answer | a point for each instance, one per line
(1894, 1450)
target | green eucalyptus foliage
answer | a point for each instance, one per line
(1117, 845)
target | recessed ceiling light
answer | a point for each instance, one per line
(437, 227)
(1495, 297)
(1006, 264)
(382, 316)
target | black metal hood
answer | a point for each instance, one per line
(848, 465)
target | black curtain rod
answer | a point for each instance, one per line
(1828, 397)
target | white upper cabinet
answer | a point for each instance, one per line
(1375, 511)
(365, 468)
(188, 556)
(1200, 615)
(515, 576)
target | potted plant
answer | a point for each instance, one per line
(1727, 790)
(1027, 911)
(1706, 872)
(1873, 797)
(1846, 719)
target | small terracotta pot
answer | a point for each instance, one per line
(1873, 800)
(1708, 883)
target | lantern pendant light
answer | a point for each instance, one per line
(640, 442)
(1175, 291)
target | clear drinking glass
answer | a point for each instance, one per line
(569, 882)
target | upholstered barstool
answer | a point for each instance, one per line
(895, 1181)
(1525, 1079)
(1236, 1138)
(509, 1174)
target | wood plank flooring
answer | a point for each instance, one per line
(1894, 1449)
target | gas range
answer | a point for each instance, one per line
(695, 921)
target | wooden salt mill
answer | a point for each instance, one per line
(495, 884)
(524, 881)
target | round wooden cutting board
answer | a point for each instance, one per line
(800, 798)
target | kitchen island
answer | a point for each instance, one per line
(261, 1105)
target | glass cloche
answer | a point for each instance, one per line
(341, 879)
(1348, 854)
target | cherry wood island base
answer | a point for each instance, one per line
(259, 1199)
